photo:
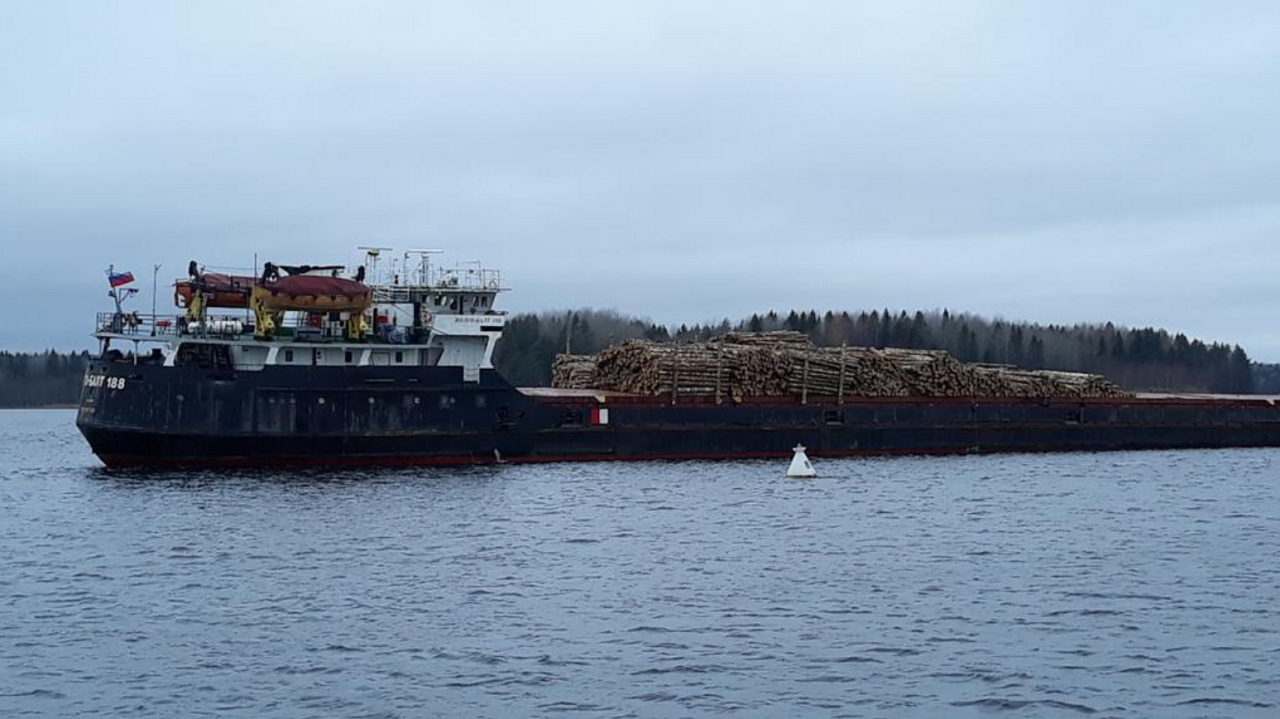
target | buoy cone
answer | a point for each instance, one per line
(800, 465)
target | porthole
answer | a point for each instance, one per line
(320, 401)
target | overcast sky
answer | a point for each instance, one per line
(1055, 162)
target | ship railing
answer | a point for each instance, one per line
(137, 325)
(393, 294)
(140, 326)
(467, 278)
(439, 280)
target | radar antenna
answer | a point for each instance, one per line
(424, 264)
(372, 254)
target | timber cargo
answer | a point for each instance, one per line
(774, 364)
(398, 371)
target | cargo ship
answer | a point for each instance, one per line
(304, 366)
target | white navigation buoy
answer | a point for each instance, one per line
(800, 465)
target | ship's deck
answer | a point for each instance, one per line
(600, 396)
(1269, 398)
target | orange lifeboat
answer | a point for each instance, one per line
(312, 293)
(223, 290)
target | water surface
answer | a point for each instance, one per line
(1130, 584)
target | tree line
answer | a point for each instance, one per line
(1266, 378)
(41, 378)
(1147, 358)
(1139, 359)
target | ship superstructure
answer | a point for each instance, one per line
(398, 314)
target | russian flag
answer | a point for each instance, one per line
(121, 279)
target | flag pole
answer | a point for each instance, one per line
(114, 294)
(155, 272)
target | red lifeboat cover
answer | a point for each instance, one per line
(226, 283)
(223, 290)
(318, 285)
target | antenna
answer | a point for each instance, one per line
(372, 253)
(424, 264)
(155, 273)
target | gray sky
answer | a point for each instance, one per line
(1056, 162)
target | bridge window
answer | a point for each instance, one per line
(207, 356)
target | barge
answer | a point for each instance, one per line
(298, 366)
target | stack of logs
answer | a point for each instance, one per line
(773, 364)
(574, 372)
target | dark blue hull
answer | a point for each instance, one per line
(150, 415)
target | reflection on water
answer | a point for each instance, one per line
(1134, 584)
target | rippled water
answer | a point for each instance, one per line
(1132, 584)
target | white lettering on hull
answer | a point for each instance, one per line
(101, 380)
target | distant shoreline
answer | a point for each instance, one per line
(55, 405)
